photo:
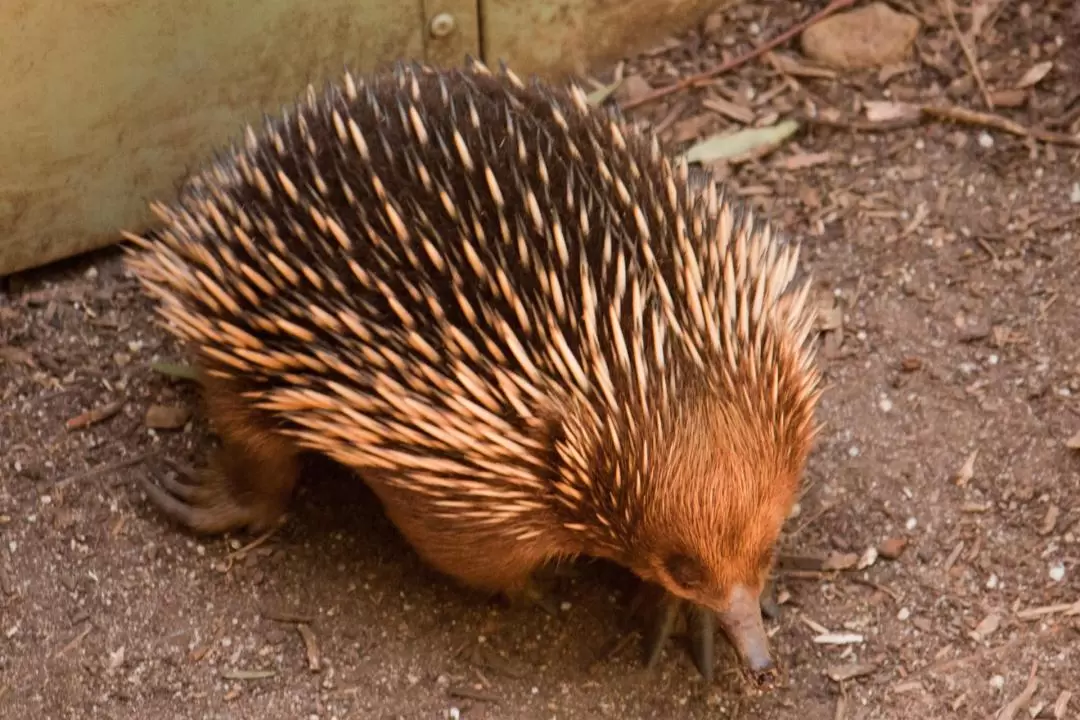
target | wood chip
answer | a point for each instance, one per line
(1049, 520)
(311, 647)
(237, 674)
(1073, 443)
(807, 160)
(986, 627)
(840, 561)
(839, 639)
(887, 111)
(840, 673)
(1062, 704)
(967, 470)
(730, 110)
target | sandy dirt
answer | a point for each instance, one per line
(947, 259)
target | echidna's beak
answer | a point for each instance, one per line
(743, 625)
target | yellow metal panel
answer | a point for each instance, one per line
(556, 38)
(452, 31)
(105, 103)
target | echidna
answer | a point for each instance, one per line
(533, 334)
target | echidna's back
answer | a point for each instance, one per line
(356, 228)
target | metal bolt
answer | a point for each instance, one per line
(442, 25)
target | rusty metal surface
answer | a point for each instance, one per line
(556, 38)
(105, 103)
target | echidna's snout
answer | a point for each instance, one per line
(743, 624)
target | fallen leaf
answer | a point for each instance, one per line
(741, 142)
(599, 95)
(1034, 74)
(967, 470)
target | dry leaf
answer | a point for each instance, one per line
(884, 110)
(967, 470)
(1035, 74)
(598, 96)
(742, 142)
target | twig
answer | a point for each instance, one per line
(724, 67)
(997, 122)
(973, 63)
(1021, 701)
(103, 469)
(95, 415)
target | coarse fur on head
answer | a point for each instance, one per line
(514, 316)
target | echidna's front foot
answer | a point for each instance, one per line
(533, 593)
(742, 624)
(202, 501)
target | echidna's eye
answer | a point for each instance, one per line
(685, 570)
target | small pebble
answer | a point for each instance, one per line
(892, 548)
(1074, 196)
(1057, 572)
(986, 140)
(904, 614)
(997, 682)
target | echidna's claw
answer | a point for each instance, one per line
(658, 629)
(700, 627)
(202, 505)
(702, 630)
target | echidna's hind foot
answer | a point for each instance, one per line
(249, 482)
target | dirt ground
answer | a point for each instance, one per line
(947, 258)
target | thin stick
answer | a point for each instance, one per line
(972, 117)
(973, 63)
(722, 68)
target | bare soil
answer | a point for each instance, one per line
(947, 258)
